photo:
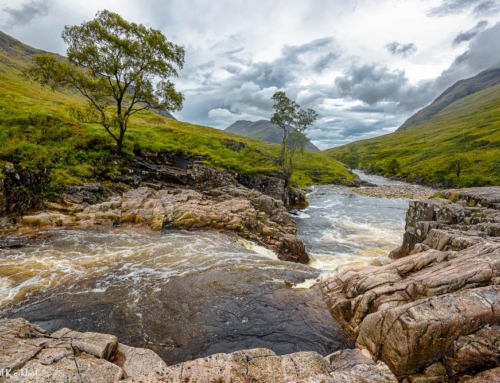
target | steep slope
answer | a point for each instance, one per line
(460, 146)
(459, 90)
(37, 133)
(262, 130)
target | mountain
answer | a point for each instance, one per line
(37, 133)
(262, 130)
(459, 90)
(457, 146)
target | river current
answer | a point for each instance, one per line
(191, 294)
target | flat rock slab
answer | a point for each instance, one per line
(138, 361)
(264, 366)
(99, 345)
(83, 368)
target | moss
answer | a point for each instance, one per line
(454, 197)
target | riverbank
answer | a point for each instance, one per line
(430, 315)
(433, 314)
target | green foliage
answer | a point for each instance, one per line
(38, 133)
(393, 167)
(113, 63)
(351, 158)
(459, 147)
(293, 122)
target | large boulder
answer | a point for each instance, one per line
(432, 314)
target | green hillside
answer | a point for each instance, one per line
(460, 146)
(263, 130)
(37, 133)
(459, 90)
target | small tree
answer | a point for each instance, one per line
(457, 165)
(114, 65)
(394, 167)
(293, 122)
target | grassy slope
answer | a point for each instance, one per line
(468, 128)
(37, 132)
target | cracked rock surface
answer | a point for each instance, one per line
(29, 354)
(248, 213)
(434, 313)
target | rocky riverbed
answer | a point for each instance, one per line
(431, 315)
(394, 191)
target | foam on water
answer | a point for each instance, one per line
(346, 230)
(64, 258)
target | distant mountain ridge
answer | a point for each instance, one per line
(262, 130)
(459, 90)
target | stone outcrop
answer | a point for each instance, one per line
(29, 354)
(432, 315)
(170, 191)
(248, 213)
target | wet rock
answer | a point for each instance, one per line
(249, 213)
(88, 193)
(433, 314)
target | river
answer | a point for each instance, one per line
(191, 294)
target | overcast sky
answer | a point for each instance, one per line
(364, 66)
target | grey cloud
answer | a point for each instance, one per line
(292, 52)
(371, 83)
(404, 50)
(324, 61)
(250, 95)
(367, 109)
(233, 69)
(232, 55)
(481, 54)
(25, 13)
(486, 8)
(471, 33)
(453, 7)
(202, 74)
(292, 63)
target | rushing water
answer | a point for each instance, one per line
(191, 294)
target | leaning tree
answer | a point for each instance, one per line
(120, 68)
